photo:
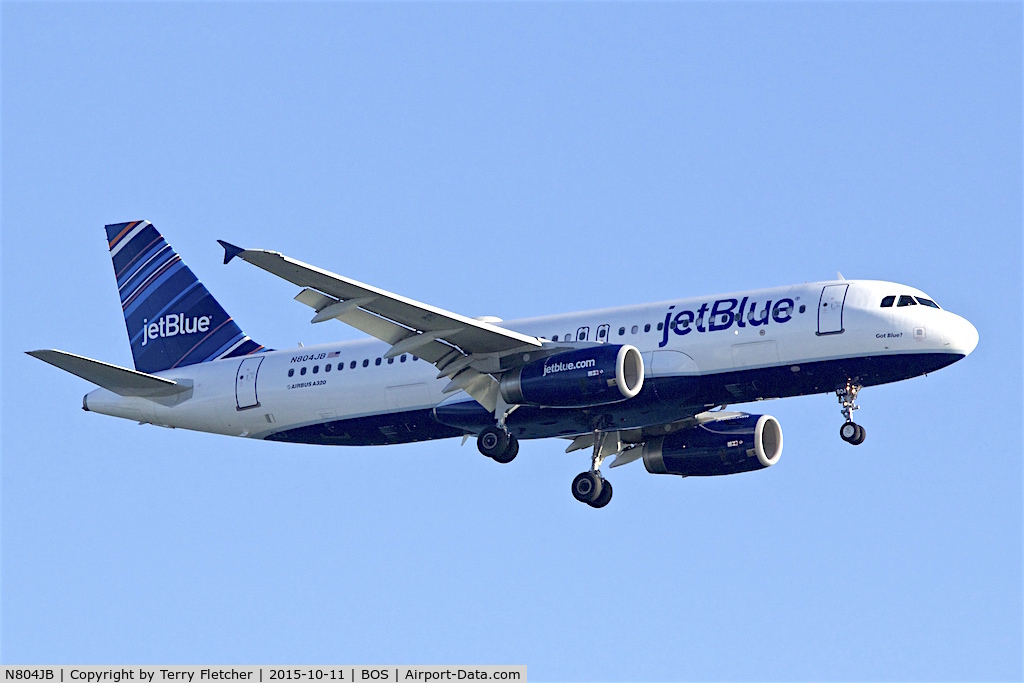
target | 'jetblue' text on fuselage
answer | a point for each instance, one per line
(723, 313)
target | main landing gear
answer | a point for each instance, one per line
(497, 444)
(495, 441)
(850, 432)
(591, 487)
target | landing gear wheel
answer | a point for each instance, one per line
(852, 433)
(492, 441)
(605, 496)
(510, 452)
(586, 487)
(861, 435)
(849, 431)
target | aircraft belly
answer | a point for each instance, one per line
(370, 430)
(814, 377)
(666, 399)
(531, 422)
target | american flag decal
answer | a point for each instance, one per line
(334, 354)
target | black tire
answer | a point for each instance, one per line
(849, 431)
(586, 487)
(605, 496)
(510, 452)
(861, 435)
(492, 441)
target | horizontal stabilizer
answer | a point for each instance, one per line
(114, 378)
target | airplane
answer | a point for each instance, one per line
(649, 382)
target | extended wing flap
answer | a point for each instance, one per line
(114, 378)
(373, 325)
(408, 326)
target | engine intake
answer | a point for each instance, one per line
(740, 444)
(583, 377)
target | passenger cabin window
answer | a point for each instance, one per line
(390, 361)
(568, 337)
(647, 327)
(622, 331)
(291, 373)
(634, 330)
(327, 368)
(352, 365)
(366, 363)
(888, 301)
(316, 369)
(906, 300)
(402, 359)
(377, 362)
(555, 338)
(302, 371)
(927, 302)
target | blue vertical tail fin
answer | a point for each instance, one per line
(172, 319)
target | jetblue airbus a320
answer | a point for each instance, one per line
(647, 382)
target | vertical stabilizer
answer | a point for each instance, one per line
(172, 319)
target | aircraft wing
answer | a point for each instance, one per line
(450, 341)
(626, 445)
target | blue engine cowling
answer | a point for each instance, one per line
(576, 379)
(740, 444)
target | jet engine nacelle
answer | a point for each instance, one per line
(740, 444)
(572, 379)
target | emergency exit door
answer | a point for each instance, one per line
(830, 309)
(245, 383)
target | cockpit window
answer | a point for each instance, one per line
(906, 300)
(926, 302)
(888, 301)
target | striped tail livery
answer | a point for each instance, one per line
(172, 319)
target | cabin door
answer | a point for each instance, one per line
(245, 383)
(830, 309)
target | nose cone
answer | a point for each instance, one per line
(961, 335)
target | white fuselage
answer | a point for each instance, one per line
(268, 393)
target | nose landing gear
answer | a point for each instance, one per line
(850, 432)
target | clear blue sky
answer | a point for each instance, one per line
(516, 159)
